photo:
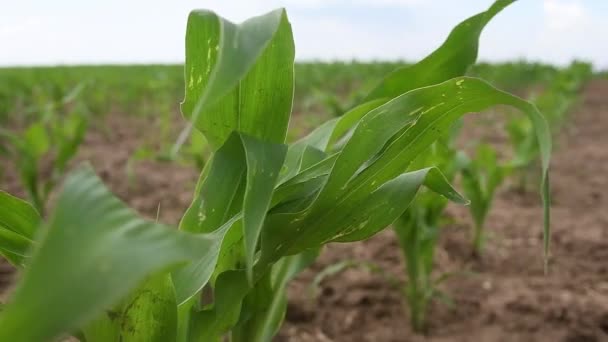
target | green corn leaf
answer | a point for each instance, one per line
(389, 201)
(451, 59)
(191, 278)
(18, 215)
(19, 222)
(148, 314)
(14, 247)
(298, 190)
(212, 323)
(239, 77)
(36, 140)
(70, 137)
(268, 322)
(381, 148)
(350, 119)
(217, 202)
(377, 211)
(231, 289)
(92, 236)
(217, 192)
(106, 327)
(480, 178)
(323, 138)
(221, 199)
(264, 161)
(313, 144)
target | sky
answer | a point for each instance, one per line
(41, 32)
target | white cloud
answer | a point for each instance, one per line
(338, 38)
(16, 27)
(330, 38)
(571, 31)
(564, 15)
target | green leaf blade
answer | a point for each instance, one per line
(19, 223)
(451, 59)
(402, 129)
(264, 161)
(91, 236)
(239, 77)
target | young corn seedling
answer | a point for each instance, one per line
(261, 209)
(418, 231)
(555, 102)
(43, 150)
(481, 177)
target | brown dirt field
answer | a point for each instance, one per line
(506, 298)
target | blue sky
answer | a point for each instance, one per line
(39, 32)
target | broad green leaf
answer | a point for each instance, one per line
(264, 161)
(388, 202)
(221, 196)
(268, 323)
(298, 190)
(217, 193)
(293, 162)
(239, 77)
(92, 236)
(36, 140)
(191, 278)
(70, 137)
(323, 138)
(381, 148)
(369, 216)
(217, 202)
(106, 327)
(18, 215)
(14, 247)
(315, 142)
(350, 119)
(210, 324)
(148, 314)
(262, 312)
(19, 222)
(451, 59)
(183, 319)
(322, 168)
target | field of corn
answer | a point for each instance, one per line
(245, 197)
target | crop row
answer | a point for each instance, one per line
(263, 208)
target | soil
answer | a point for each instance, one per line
(502, 296)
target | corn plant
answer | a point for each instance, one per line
(20, 222)
(261, 209)
(418, 230)
(555, 102)
(481, 176)
(43, 150)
